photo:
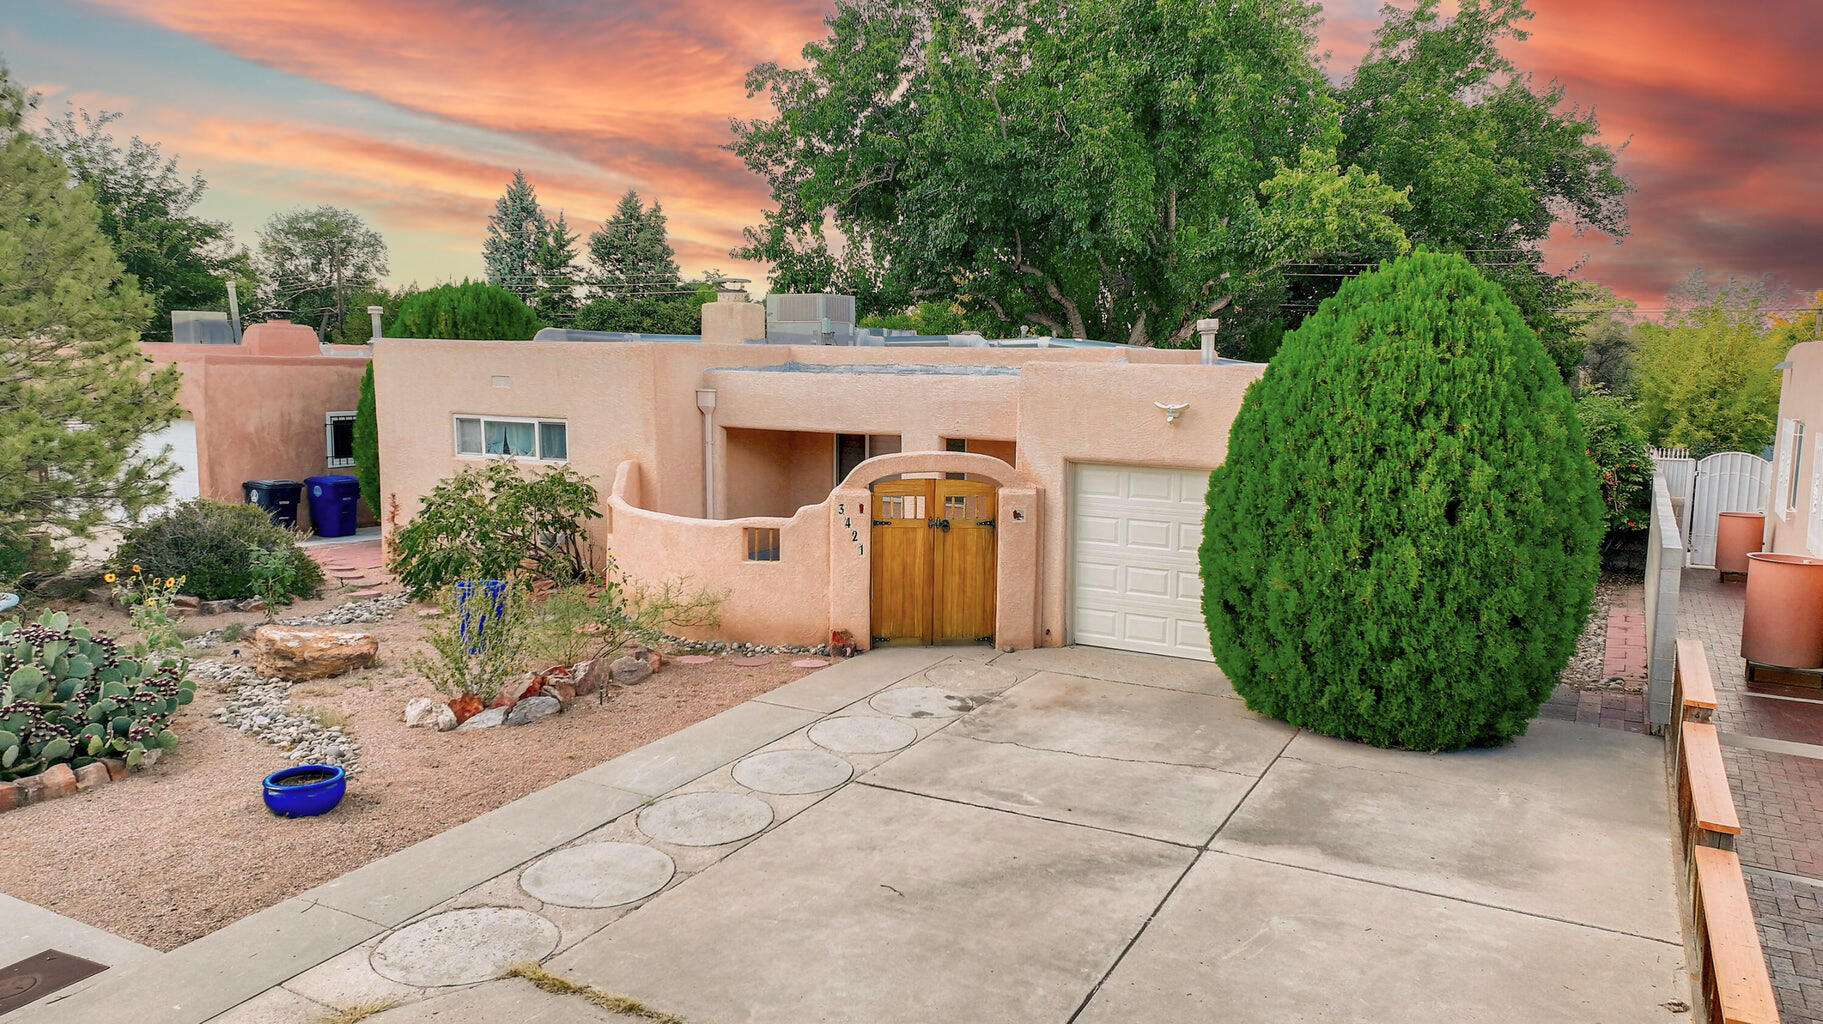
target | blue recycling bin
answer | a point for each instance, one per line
(334, 503)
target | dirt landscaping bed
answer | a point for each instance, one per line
(175, 852)
(1584, 672)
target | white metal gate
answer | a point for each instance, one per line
(1679, 470)
(1725, 482)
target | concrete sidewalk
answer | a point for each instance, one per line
(1053, 836)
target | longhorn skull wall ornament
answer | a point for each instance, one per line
(1172, 410)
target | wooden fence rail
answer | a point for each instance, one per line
(1733, 979)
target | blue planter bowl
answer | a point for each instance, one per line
(310, 799)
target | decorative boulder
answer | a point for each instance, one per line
(562, 689)
(485, 720)
(589, 675)
(297, 653)
(512, 693)
(421, 711)
(446, 718)
(629, 670)
(532, 709)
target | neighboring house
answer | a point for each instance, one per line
(278, 405)
(1794, 512)
(1027, 495)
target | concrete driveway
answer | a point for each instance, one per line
(1050, 836)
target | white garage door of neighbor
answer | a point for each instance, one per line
(1135, 584)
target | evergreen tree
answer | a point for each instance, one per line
(76, 397)
(630, 252)
(1401, 544)
(515, 232)
(555, 300)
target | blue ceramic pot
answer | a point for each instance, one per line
(307, 800)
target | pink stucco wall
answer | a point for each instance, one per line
(1801, 400)
(634, 427)
(259, 406)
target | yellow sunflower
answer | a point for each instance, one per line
(136, 568)
(110, 577)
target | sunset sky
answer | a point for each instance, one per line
(415, 112)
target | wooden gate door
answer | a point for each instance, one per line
(933, 561)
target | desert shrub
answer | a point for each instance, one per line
(598, 617)
(477, 645)
(70, 695)
(1401, 545)
(210, 544)
(1623, 465)
(489, 522)
(151, 603)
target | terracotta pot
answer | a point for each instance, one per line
(1783, 624)
(1737, 534)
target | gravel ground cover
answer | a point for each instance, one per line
(170, 854)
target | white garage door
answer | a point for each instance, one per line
(1134, 579)
(178, 441)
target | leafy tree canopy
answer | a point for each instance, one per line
(315, 260)
(659, 314)
(472, 309)
(630, 253)
(181, 260)
(1400, 546)
(1490, 162)
(76, 396)
(1705, 375)
(1101, 168)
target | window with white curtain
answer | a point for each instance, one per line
(513, 438)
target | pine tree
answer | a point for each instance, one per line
(630, 251)
(555, 301)
(76, 397)
(1401, 544)
(514, 233)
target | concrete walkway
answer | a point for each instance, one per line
(1047, 836)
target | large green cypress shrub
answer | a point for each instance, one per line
(472, 310)
(1401, 545)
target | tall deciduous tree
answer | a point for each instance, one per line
(630, 252)
(148, 212)
(515, 231)
(76, 395)
(1490, 162)
(1705, 376)
(315, 260)
(1099, 168)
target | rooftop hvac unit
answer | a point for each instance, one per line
(810, 319)
(201, 327)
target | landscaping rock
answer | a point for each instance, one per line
(91, 775)
(421, 711)
(150, 756)
(343, 615)
(532, 709)
(262, 707)
(186, 601)
(485, 720)
(30, 789)
(216, 607)
(58, 780)
(297, 654)
(629, 670)
(117, 768)
(11, 796)
(562, 689)
(251, 604)
(430, 613)
(589, 675)
(514, 692)
(446, 718)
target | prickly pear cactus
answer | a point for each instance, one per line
(69, 694)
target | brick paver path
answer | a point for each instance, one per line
(1772, 742)
(1626, 651)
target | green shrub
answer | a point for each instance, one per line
(473, 651)
(209, 544)
(1623, 465)
(599, 617)
(69, 695)
(473, 309)
(367, 444)
(487, 522)
(1401, 545)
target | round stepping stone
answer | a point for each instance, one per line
(461, 947)
(598, 875)
(810, 663)
(694, 659)
(862, 734)
(959, 675)
(705, 819)
(792, 772)
(921, 702)
(752, 661)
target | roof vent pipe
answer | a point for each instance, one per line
(1207, 327)
(373, 314)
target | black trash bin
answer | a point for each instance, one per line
(334, 504)
(278, 497)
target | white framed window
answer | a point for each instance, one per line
(1797, 462)
(513, 437)
(1782, 476)
(338, 439)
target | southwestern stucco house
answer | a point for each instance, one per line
(275, 405)
(1794, 509)
(1026, 493)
